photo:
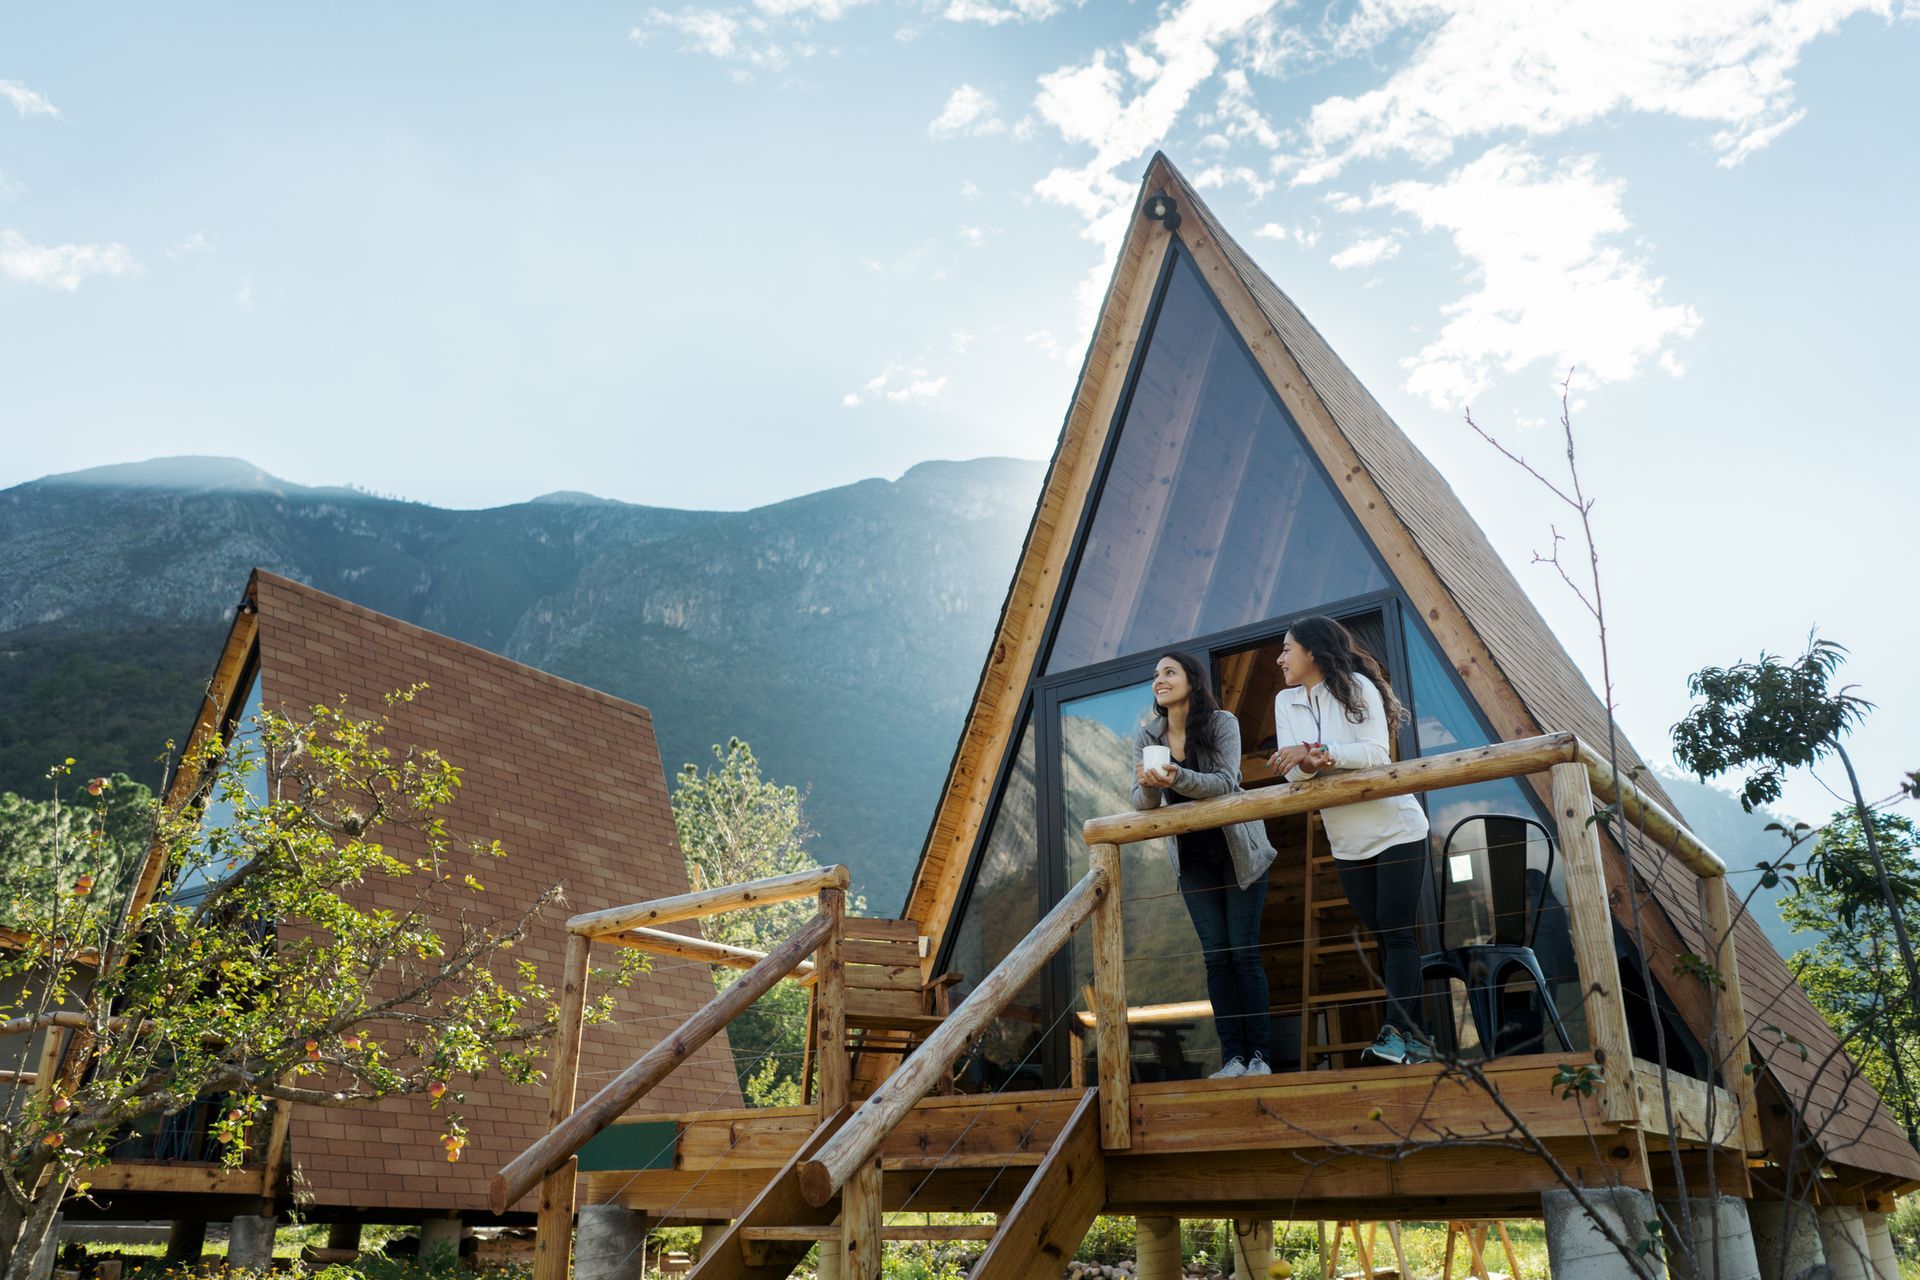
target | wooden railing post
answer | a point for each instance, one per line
(553, 1234)
(1110, 1005)
(1591, 922)
(830, 1007)
(1730, 1050)
(860, 1223)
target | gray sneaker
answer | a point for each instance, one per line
(1257, 1066)
(1234, 1069)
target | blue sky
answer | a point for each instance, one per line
(721, 254)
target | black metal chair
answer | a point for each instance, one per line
(1486, 968)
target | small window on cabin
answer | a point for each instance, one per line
(195, 881)
(1002, 908)
(1212, 514)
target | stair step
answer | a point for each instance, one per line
(921, 1231)
(1345, 944)
(1338, 997)
(1342, 1046)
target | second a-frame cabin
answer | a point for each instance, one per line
(1031, 1039)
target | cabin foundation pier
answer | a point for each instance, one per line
(1157, 1249)
(1578, 1248)
(1786, 1238)
(439, 1235)
(344, 1234)
(1886, 1265)
(186, 1240)
(1843, 1235)
(250, 1242)
(1252, 1248)
(1721, 1246)
(609, 1243)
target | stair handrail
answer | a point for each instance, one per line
(573, 1127)
(859, 1139)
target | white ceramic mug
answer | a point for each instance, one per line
(1154, 756)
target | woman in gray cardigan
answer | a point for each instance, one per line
(1222, 871)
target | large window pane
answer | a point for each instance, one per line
(1001, 910)
(1212, 515)
(1495, 879)
(194, 881)
(1163, 956)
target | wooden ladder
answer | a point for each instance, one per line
(1334, 1018)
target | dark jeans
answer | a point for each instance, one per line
(1385, 893)
(1227, 918)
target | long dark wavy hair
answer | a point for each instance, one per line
(1201, 704)
(1340, 657)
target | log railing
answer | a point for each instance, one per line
(1577, 775)
(811, 954)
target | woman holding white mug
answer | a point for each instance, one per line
(1189, 749)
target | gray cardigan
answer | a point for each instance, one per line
(1218, 775)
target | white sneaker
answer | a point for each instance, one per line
(1232, 1071)
(1258, 1067)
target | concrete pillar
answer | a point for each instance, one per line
(1786, 1238)
(1721, 1234)
(1843, 1235)
(1253, 1249)
(186, 1240)
(710, 1233)
(1577, 1249)
(250, 1242)
(441, 1235)
(1156, 1249)
(609, 1243)
(833, 1259)
(343, 1235)
(1886, 1266)
(49, 1251)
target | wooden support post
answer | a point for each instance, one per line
(1110, 1006)
(830, 1007)
(573, 1130)
(49, 1064)
(276, 1150)
(1591, 922)
(553, 1232)
(860, 1223)
(1730, 1049)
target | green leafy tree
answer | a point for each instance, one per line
(1777, 714)
(36, 834)
(1852, 971)
(258, 971)
(735, 824)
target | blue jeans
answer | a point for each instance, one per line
(1227, 918)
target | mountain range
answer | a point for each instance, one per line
(840, 633)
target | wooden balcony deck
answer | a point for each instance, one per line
(1338, 1144)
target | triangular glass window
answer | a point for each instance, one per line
(1212, 513)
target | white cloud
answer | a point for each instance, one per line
(994, 14)
(977, 237)
(243, 295)
(824, 10)
(1485, 66)
(897, 386)
(1237, 116)
(1220, 175)
(1550, 286)
(197, 245)
(1305, 237)
(969, 112)
(968, 191)
(962, 341)
(1367, 251)
(28, 102)
(60, 266)
(743, 37)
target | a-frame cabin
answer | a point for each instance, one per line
(1221, 472)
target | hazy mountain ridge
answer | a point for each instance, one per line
(840, 632)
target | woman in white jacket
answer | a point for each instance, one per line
(1337, 713)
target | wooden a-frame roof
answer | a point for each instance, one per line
(1523, 679)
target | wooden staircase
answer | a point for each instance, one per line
(1341, 1003)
